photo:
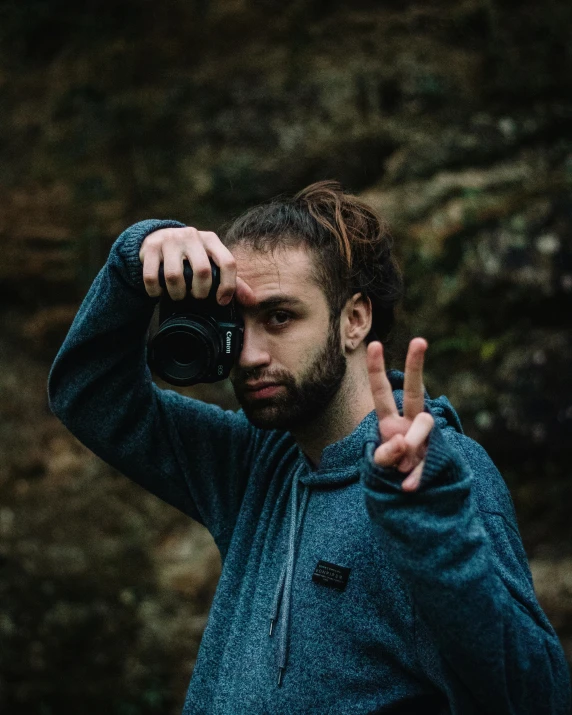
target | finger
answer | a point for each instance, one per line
(225, 261)
(419, 430)
(202, 271)
(151, 263)
(244, 293)
(413, 391)
(380, 386)
(173, 271)
(415, 441)
(414, 479)
(152, 242)
(390, 452)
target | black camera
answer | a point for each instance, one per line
(197, 340)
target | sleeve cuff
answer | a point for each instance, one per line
(443, 465)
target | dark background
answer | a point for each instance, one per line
(453, 118)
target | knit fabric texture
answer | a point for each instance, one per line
(339, 593)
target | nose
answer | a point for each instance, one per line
(254, 351)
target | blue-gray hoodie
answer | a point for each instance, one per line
(339, 593)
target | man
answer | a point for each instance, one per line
(371, 557)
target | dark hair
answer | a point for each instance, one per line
(352, 243)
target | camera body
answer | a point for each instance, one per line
(197, 340)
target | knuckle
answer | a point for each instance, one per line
(159, 237)
(228, 262)
(152, 286)
(150, 280)
(172, 276)
(152, 238)
(147, 248)
(174, 239)
(190, 233)
(203, 271)
(410, 394)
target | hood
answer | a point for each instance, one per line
(340, 460)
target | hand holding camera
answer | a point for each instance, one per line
(200, 331)
(171, 245)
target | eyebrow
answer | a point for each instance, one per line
(274, 301)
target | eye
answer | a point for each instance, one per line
(279, 318)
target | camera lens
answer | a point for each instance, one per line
(185, 350)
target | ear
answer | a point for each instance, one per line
(355, 321)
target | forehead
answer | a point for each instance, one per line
(286, 270)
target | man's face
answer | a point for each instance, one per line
(289, 344)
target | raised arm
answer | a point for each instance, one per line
(443, 513)
(192, 455)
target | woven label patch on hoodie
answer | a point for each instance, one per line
(331, 575)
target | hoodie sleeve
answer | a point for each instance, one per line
(469, 578)
(193, 455)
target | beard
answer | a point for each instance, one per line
(299, 402)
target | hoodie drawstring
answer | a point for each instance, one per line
(284, 590)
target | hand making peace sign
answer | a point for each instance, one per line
(404, 438)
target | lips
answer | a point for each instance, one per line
(255, 386)
(260, 390)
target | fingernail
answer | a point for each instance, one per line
(225, 300)
(409, 482)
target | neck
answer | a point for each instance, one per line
(350, 405)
